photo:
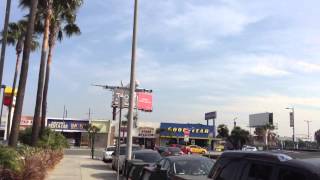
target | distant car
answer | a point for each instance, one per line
(197, 149)
(145, 155)
(122, 156)
(107, 153)
(249, 148)
(172, 151)
(219, 148)
(173, 167)
(265, 165)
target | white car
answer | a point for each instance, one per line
(107, 153)
(249, 148)
(122, 156)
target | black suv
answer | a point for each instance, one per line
(271, 165)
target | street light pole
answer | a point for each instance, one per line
(308, 122)
(132, 82)
(293, 136)
(234, 122)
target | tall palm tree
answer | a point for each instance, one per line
(15, 37)
(62, 23)
(23, 75)
(43, 17)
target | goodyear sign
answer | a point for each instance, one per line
(177, 130)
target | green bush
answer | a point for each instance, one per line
(9, 159)
(50, 139)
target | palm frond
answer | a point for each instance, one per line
(71, 29)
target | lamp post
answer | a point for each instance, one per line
(292, 121)
(234, 122)
(308, 122)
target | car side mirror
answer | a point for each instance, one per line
(158, 167)
(113, 154)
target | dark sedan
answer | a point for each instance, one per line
(191, 166)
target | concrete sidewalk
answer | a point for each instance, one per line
(75, 167)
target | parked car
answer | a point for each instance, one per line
(197, 149)
(145, 155)
(107, 153)
(161, 149)
(275, 165)
(136, 169)
(172, 167)
(122, 156)
(249, 148)
(172, 151)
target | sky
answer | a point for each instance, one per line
(236, 57)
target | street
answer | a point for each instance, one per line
(77, 165)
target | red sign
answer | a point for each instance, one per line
(144, 101)
(186, 132)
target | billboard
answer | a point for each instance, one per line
(260, 119)
(210, 115)
(144, 101)
(117, 93)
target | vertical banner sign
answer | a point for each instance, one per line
(291, 119)
(186, 133)
(144, 101)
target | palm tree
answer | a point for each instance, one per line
(265, 132)
(16, 35)
(62, 22)
(44, 14)
(223, 131)
(23, 75)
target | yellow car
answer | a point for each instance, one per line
(219, 148)
(197, 149)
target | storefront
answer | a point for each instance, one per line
(72, 129)
(143, 135)
(173, 133)
(102, 138)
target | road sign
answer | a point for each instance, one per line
(210, 115)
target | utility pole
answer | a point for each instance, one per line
(308, 122)
(132, 82)
(118, 142)
(4, 40)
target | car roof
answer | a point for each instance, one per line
(302, 159)
(144, 151)
(125, 145)
(185, 157)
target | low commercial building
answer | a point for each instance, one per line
(71, 128)
(173, 133)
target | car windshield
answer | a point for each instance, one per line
(193, 167)
(110, 149)
(174, 149)
(148, 157)
(123, 149)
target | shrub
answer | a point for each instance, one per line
(9, 159)
(49, 139)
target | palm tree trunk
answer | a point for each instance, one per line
(5, 34)
(36, 117)
(23, 76)
(14, 86)
(46, 82)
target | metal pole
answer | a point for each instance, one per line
(293, 138)
(308, 122)
(4, 40)
(64, 112)
(132, 82)
(8, 125)
(118, 143)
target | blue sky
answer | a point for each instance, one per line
(234, 56)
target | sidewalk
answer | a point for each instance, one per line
(78, 167)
